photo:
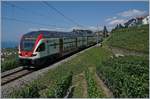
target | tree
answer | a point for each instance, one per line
(116, 27)
(105, 32)
(120, 26)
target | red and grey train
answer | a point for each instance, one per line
(37, 47)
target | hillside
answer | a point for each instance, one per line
(134, 38)
(98, 72)
(127, 75)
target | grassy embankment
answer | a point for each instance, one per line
(80, 67)
(134, 38)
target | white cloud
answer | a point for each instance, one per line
(93, 28)
(74, 27)
(110, 19)
(132, 13)
(117, 21)
(32, 29)
(109, 28)
(48, 29)
(124, 16)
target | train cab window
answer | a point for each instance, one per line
(41, 47)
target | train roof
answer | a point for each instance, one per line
(54, 34)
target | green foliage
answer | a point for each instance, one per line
(30, 91)
(134, 38)
(77, 65)
(105, 31)
(93, 92)
(10, 59)
(119, 26)
(126, 76)
(9, 64)
(61, 88)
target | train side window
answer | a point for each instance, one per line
(41, 47)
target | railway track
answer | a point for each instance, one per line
(13, 75)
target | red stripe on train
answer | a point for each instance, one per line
(37, 40)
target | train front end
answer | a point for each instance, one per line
(31, 50)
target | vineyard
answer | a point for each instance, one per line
(92, 88)
(126, 76)
(33, 90)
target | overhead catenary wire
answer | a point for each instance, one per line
(27, 22)
(60, 13)
(39, 14)
(31, 12)
(23, 9)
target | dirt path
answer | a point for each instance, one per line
(104, 88)
(80, 84)
(84, 83)
(121, 52)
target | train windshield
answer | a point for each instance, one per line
(27, 45)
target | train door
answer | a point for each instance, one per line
(76, 42)
(53, 46)
(61, 46)
(47, 47)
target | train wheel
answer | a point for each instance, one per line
(40, 63)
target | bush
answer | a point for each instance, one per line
(9, 64)
(30, 91)
(61, 88)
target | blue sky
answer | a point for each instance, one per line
(19, 18)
